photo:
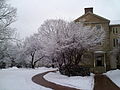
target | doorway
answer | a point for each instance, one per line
(99, 62)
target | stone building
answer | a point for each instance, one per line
(101, 59)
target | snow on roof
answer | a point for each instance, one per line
(115, 22)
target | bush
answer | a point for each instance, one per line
(74, 70)
(13, 63)
(2, 64)
(118, 66)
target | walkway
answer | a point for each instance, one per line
(102, 82)
(41, 81)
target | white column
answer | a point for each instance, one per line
(104, 62)
(94, 60)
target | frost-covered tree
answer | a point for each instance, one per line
(66, 42)
(33, 50)
(12, 54)
(7, 17)
(48, 32)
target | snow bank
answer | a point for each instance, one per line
(20, 79)
(114, 75)
(12, 68)
(85, 83)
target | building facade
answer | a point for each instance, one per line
(101, 59)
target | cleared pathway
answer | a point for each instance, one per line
(102, 82)
(41, 81)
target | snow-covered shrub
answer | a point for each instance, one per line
(2, 64)
(74, 70)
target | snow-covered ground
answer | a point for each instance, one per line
(114, 75)
(84, 83)
(20, 79)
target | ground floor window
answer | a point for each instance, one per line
(115, 42)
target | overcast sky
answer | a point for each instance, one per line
(32, 13)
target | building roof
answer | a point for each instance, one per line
(115, 22)
(89, 13)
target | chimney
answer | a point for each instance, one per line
(88, 10)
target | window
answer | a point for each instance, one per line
(113, 31)
(115, 42)
(100, 43)
(116, 30)
(98, 26)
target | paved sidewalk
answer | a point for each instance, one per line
(41, 81)
(102, 82)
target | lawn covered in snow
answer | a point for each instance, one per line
(84, 83)
(114, 75)
(20, 79)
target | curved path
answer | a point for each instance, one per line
(41, 81)
(102, 82)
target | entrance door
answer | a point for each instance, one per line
(99, 63)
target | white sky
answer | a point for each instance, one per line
(32, 13)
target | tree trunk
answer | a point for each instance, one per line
(78, 59)
(32, 62)
(35, 61)
(33, 66)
